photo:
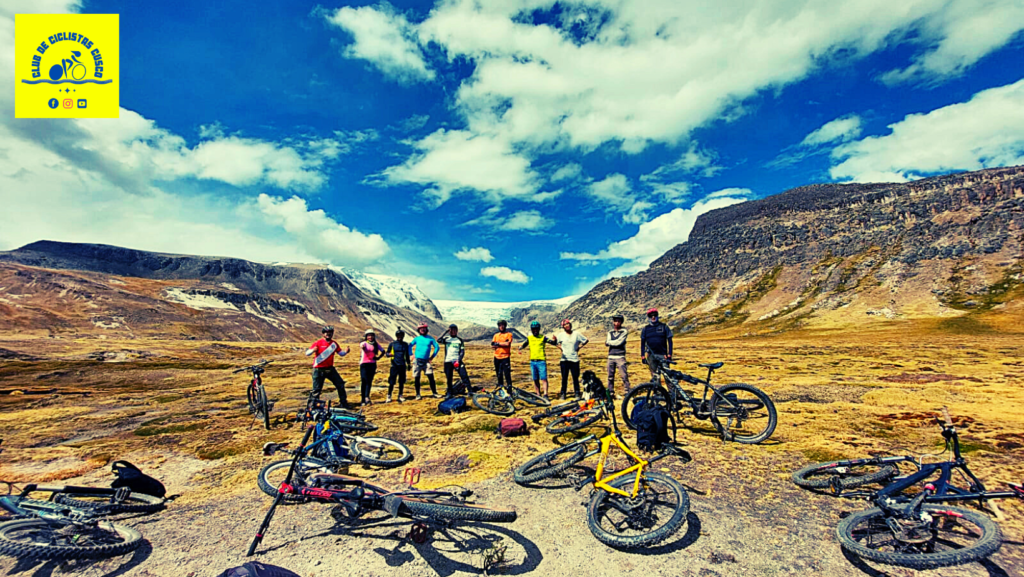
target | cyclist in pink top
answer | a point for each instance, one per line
(368, 363)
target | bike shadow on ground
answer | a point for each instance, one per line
(993, 569)
(109, 567)
(443, 543)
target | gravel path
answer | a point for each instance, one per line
(722, 537)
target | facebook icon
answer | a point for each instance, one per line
(54, 103)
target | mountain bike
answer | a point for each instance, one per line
(502, 400)
(634, 507)
(579, 414)
(357, 497)
(739, 412)
(908, 526)
(259, 406)
(333, 447)
(69, 524)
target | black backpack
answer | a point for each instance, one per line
(458, 388)
(651, 422)
(257, 569)
(128, 475)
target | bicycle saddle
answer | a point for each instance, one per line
(712, 366)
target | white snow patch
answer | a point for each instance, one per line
(315, 318)
(198, 302)
(256, 312)
(344, 319)
(381, 322)
(115, 281)
(487, 313)
(229, 286)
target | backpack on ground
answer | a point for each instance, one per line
(458, 388)
(512, 428)
(128, 475)
(651, 422)
(452, 405)
(257, 569)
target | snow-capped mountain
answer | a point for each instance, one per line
(488, 313)
(393, 290)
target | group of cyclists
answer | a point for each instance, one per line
(417, 355)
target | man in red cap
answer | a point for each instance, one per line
(655, 341)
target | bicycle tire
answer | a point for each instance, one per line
(269, 485)
(264, 407)
(720, 406)
(650, 392)
(252, 396)
(680, 509)
(488, 403)
(987, 544)
(531, 398)
(437, 509)
(134, 503)
(568, 423)
(543, 466)
(367, 454)
(821, 475)
(17, 539)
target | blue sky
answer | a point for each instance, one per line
(505, 150)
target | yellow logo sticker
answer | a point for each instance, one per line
(66, 65)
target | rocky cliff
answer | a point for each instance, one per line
(114, 291)
(834, 254)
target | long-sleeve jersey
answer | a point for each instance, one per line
(616, 341)
(454, 348)
(657, 337)
(425, 347)
(399, 353)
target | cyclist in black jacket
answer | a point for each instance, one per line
(656, 340)
(398, 350)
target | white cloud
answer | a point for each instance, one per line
(958, 37)
(567, 172)
(615, 193)
(658, 235)
(479, 253)
(527, 220)
(637, 213)
(839, 130)
(384, 39)
(986, 131)
(506, 274)
(320, 235)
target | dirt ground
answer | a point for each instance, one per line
(176, 410)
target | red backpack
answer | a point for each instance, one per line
(512, 428)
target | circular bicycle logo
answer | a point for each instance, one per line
(80, 61)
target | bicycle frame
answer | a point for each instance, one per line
(677, 392)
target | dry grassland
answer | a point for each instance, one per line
(175, 409)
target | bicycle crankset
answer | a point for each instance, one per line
(418, 533)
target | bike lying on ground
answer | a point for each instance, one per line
(907, 528)
(502, 400)
(69, 524)
(259, 405)
(595, 405)
(634, 507)
(357, 497)
(333, 447)
(740, 412)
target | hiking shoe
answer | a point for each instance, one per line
(418, 397)
(401, 399)
(388, 399)
(436, 396)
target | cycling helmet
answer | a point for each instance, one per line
(652, 311)
(534, 325)
(327, 329)
(617, 318)
(502, 322)
(399, 333)
(566, 322)
(453, 326)
(369, 331)
(423, 328)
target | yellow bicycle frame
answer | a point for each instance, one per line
(602, 482)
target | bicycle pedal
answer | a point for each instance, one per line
(418, 533)
(411, 476)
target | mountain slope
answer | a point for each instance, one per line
(67, 287)
(837, 254)
(393, 290)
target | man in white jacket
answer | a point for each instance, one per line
(616, 342)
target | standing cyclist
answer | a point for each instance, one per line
(424, 349)
(323, 364)
(571, 343)
(398, 350)
(538, 357)
(454, 353)
(502, 344)
(372, 352)
(616, 342)
(656, 341)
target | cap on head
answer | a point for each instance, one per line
(423, 328)
(534, 325)
(502, 323)
(369, 331)
(327, 329)
(652, 312)
(617, 318)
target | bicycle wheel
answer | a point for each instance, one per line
(252, 395)
(574, 422)
(551, 463)
(264, 407)
(743, 413)
(451, 511)
(532, 398)
(658, 511)
(37, 539)
(953, 536)
(843, 474)
(645, 393)
(380, 452)
(271, 476)
(487, 402)
(134, 503)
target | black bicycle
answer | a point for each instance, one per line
(256, 394)
(357, 497)
(70, 523)
(502, 400)
(909, 525)
(741, 412)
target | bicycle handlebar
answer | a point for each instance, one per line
(258, 365)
